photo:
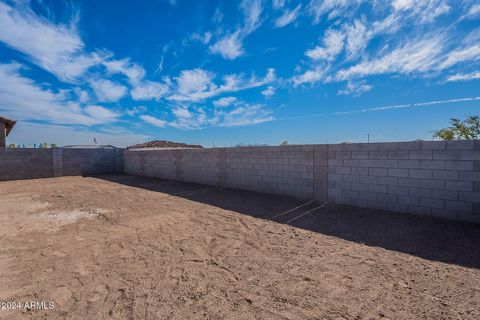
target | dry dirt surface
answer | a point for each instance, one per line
(123, 247)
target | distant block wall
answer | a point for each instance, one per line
(17, 164)
(426, 177)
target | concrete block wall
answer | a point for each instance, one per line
(285, 170)
(426, 177)
(422, 177)
(88, 161)
(162, 165)
(18, 164)
(24, 163)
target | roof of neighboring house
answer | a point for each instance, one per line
(9, 124)
(90, 146)
(164, 144)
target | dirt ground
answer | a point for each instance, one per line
(123, 247)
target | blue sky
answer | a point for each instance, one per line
(251, 71)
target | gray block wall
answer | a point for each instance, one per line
(422, 177)
(426, 177)
(286, 170)
(18, 164)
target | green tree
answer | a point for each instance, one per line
(468, 129)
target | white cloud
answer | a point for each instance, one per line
(198, 84)
(270, 91)
(22, 99)
(192, 81)
(203, 38)
(107, 90)
(229, 47)
(309, 76)
(56, 48)
(131, 70)
(182, 112)
(470, 53)
(287, 17)
(403, 4)
(414, 56)
(153, 121)
(425, 10)
(333, 42)
(473, 12)
(278, 4)
(355, 88)
(82, 95)
(252, 10)
(136, 110)
(357, 38)
(464, 76)
(334, 8)
(242, 116)
(101, 113)
(149, 90)
(225, 102)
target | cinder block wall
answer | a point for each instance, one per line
(17, 164)
(286, 170)
(426, 177)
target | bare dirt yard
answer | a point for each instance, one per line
(123, 247)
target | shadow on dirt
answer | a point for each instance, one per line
(425, 237)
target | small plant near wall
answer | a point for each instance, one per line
(468, 129)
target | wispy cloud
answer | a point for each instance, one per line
(473, 12)
(414, 56)
(252, 11)
(468, 53)
(131, 70)
(225, 102)
(278, 4)
(357, 37)
(229, 46)
(332, 45)
(270, 91)
(149, 90)
(153, 121)
(108, 91)
(332, 8)
(410, 105)
(355, 88)
(198, 84)
(464, 76)
(23, 99)
(288, 17)
(310, 76)
(56, 48)
(426, 10)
